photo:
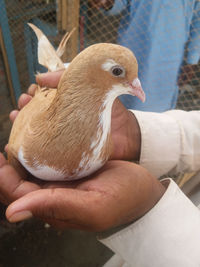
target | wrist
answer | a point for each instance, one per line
(133, 138)
(159, 192)
(152, 191)
(125, 134)
(143, 192)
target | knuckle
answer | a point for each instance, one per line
(32, 89)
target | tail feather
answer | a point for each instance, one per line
(47, 55)
(62, 45)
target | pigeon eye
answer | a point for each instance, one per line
(118, 71)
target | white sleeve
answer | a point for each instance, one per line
(168, 235)
(170, 141)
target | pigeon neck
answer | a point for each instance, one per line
(83, 111)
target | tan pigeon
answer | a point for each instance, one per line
(64, 134)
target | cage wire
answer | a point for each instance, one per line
(41, 13)
(103, 26)
(95, 25)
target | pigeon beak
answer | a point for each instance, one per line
(136, 89)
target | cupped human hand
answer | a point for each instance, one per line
(117, 194)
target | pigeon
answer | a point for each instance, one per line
(64, 134)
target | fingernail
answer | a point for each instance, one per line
(6, 148)
(20, 216)
(38, 77)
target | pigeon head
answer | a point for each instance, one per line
(111, 68)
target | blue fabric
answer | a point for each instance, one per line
(157, 32)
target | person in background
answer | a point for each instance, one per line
(144, 221)
(162, 34)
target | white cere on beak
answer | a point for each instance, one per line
(136, 83)
(108, 64)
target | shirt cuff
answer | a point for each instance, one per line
(160, 148)
(168, 235)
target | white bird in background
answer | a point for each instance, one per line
(64, 134)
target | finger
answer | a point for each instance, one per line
(32, 88)
(11, 185)
(23, 100)
(6, 148)
(49, 79)
(65, 207)
(13, 114)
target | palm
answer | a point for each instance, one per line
(110, 197)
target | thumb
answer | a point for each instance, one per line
(70, 208)
(49, 79)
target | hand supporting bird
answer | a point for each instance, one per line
(110, 197)
(117, 194)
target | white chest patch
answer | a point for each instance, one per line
(39, 171)
(87, 165)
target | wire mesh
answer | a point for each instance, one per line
(43, 14)
(110, 23)
(113, 25)
(160, 33)
(106, 24)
